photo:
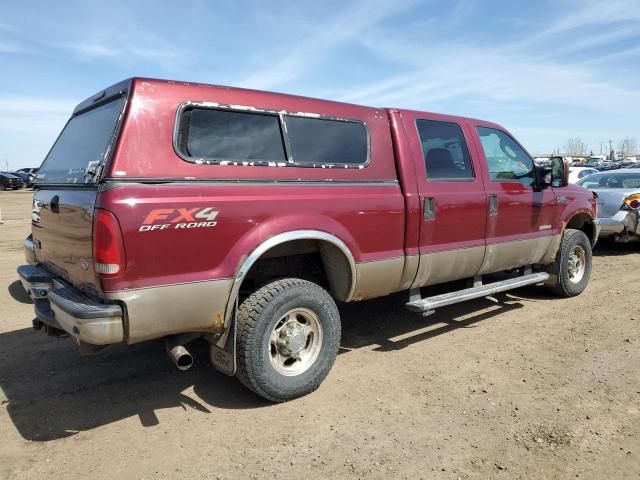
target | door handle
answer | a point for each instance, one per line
(493, 205)
(429, 210)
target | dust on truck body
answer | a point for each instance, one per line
(181, 210)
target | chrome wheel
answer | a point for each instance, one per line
(295, 342)
(576, 264)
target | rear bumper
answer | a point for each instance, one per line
(62, 306)
(133, 315)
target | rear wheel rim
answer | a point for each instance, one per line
(295, 342)
(576, 264)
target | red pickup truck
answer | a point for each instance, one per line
(184, 210)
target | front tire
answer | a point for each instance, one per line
(573, 264)
(287, 340)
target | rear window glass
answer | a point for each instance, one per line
(326, 141)
(611, 180)
(445, 152)
(584, 173)
(86, 138)
(227, 135)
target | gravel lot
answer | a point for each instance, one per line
(532, 387)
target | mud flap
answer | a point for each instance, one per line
(224, 359)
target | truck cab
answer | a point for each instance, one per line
(182, 211)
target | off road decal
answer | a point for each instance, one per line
(179, 218)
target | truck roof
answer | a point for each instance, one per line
(128, 83)
(199, 87)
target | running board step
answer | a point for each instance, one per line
(431, 303)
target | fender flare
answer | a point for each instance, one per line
(594, 221)
(266, 246)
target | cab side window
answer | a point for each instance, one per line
(445, 152)
(507, 161)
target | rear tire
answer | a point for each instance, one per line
(287, 340)
(573, 264)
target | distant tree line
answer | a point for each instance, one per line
(575, 147)
(628, 146)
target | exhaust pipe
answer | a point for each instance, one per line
(178, 353)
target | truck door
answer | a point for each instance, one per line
(521, 223)
(452, 197)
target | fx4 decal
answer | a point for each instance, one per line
(179, 218)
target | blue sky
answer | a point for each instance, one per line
(546, 70)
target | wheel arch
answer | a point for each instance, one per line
(338, 261)
(584, 222)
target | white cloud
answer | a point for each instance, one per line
(29, 126)
(322, 39)
(121, 49)
(125, 50)
(10, 47)
(6, 27)
(118, 37)
(564, 77)
(613, 57)
(592, 13)
(532, 72)
(19, 105)
(91, 50)
(565, 57)
(596, 39)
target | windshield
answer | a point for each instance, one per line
(85, 139)
(611, 180)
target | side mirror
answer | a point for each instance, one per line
(559, 172)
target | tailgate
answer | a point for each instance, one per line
(62, 227)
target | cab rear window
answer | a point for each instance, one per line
(84, 142)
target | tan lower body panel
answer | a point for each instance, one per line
(378, 278)
(155, 312)
(440, 267)
(409, 272)
(507, 255)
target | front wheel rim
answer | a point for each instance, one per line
(576, 264)
(295, 342)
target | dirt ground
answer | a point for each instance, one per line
(532, 387)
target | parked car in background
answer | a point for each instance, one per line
(8, 181)
(29, 170)
(606, 166)
(576, 173)
(618, 203)
(27, 178)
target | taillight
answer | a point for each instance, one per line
(108, 249)
(632, 201)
